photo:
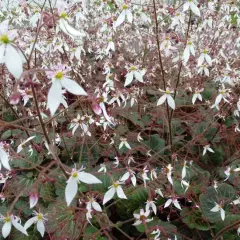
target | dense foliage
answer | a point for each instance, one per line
(120, 120)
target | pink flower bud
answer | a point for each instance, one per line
(33, 199)
(15, 98)
(96, 108)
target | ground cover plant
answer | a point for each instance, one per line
(120, 120)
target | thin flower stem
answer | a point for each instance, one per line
(45, 131)
(162, 72)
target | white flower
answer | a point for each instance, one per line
(204, 56)
(237, 201)
(169, 169)
(103, 168)
(124, 143)
(174, 201)
(228, 172)
(92, 204)
(159, 192)
(153, 174)
(103, 109)
(116, 162)
(117, 97)
(8, 54)
(157, 232)
(151, 205)
(167, 96)
(125, 13)
(134, 73)
(185, 184)
(78, 176)
(190, 4)
(139, 138)
(144, 176)
(203, 70)
(223, 93)
(238, 231)
(207, 148)
(197, 95)
(33, 199)
(129, 174)
(8, 222)
(38, 219)
(184, 169)
(110, 47)
(217, 208)
(89, 215)
(130, 160)
(67, 29)
(4, 160)
(189, 49)
(59, 81)
(22, 145)
(115, 188)
(142, 217)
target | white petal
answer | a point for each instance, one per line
(30, 222)
(33, 201)
(176, 204)
(138, 76)
(120, 193)
(73, 87)
(18, 226)
(162, 99)
(208, 59)
(88, 178)
(186, 54)
(2, 52)
(120, 145)
(127, 145)
(129, 79)
(218, 99)
(171, 101)
(138, 222)
(194, 98)
(19, 148)
(169, 177)
(215, 209)
(222, 214)
(41, 227)
(120, 19)
(54, 97)
(71, 190)
(129, 16)
(66, 28)
(167, 203)
(184, 172)
(97, 206)
(4, 159)
(134, 180)
(13, 61)
(6, 229)
(125, 177)
(186, 6)
(108, 195)
(200, 60)
(104, 111)
(154, 208)
(195, 9)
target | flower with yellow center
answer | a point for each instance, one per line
(114, 189)
(39, 219)
(78, 176)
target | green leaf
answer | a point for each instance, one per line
(156, 143)
(208, 200)
(194, 219)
